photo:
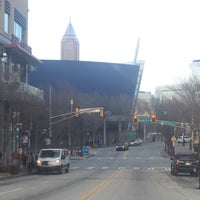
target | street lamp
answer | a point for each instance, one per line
(4, 58)
(20, 148)
(69, 135)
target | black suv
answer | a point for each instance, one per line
(121, 146)
(184, 163)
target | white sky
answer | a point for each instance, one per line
(108, 30)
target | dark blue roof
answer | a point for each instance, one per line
(103, 78)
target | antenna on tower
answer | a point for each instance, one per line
(136, 51)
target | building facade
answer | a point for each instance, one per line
(16, 63)
(70, 45)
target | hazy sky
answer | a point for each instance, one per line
(108, 31)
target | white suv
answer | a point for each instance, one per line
(186, 139)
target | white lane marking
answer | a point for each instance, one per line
(10, 191)
(136, 168)
(90, 167)
(74, 167)
(106, 167)
(121, 167)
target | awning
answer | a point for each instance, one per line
(20, 55)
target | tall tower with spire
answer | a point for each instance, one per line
(69, 45)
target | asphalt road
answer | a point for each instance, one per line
(137, 174)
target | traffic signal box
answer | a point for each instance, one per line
(77, 112)
(135, 119)
(153, 118)
(101, 113)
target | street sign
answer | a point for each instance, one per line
(173, 139)
(168, 123)
(144, 119)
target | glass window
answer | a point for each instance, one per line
(6, 22)
(18, 31)
(49, 154)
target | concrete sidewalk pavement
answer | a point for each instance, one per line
(92, 152)
(179, 148)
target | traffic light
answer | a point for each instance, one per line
(153, 118)
(135, 119)
(77, 112)
(101, 113)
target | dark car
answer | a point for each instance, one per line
(184, 163)
(135, 142)
(121, 146)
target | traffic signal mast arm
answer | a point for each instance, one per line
(81, 111)
(99, 110)
(76, 113)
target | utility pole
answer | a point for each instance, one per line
(50, 113)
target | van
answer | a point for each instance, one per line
(53, 160)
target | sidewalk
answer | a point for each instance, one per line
(179, 148)
(92, 152)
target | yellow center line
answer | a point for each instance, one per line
(90, 194)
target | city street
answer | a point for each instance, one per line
(139, 173)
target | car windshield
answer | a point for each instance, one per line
(49, 154)
(120, 143)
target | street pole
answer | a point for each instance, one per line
(104, 131)
(20, 149)
(69, 135)
(50, 113)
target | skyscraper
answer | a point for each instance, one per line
(70, 45)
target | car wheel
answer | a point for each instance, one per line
(60, 171)
(67, 169)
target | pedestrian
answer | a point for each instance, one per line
(1, 156)
(15, 157)
(30, 162)
(24, 158)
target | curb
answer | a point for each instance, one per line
(164, 154)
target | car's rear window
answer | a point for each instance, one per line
(187, 157)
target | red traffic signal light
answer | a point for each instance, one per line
(135, 119)
(153, 117)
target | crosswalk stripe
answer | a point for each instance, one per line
(136, 168)
(106, 167)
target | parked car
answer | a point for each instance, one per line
(184, 163)
(121, 146)
(185, 138)
(136, 142)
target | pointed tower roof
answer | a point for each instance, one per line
(70, 33)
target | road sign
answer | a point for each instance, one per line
(173, 139)
(168, 123)
(85, 150)
(144, 119)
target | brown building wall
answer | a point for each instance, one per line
(22, 8)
